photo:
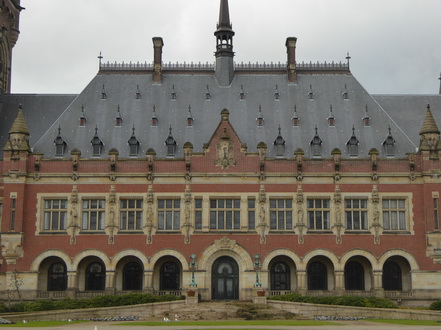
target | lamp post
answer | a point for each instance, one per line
(193, 264)
(257, 265)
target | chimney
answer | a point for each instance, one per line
(291, 51)
(157, 59)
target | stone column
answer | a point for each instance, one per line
(301, 281)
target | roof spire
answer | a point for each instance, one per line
(224, 16)
(429, 124)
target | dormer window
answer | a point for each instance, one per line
(316, 144)
(133, 144)
(118, 118)
(154, 117)
(331, 118)
(279, 143)
(295, 118)
(260, 118)
(173, 94)
(60, 144)
(97, 144)
(189, 118)
(171, 145)
(83, 118)
(310, 94)
(366, 118)
(353, 144)
(389, 145)
(138, 93)
(103, 94)
(207, 94)
(345, 96)
(242, 93)
(277, 94)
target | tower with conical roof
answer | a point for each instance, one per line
(429, 135)
(224, 46)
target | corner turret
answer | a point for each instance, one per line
(18, 135)
(430, 135)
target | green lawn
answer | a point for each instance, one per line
(39, 324)
(231, 323)
(405, 322)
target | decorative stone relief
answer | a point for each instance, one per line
(187, 227)
(262, 226)
(338, 224)
(12, 247)
(225, 152)
(73, 228)
(111, 225)
(225, 243)
(301, 227)
(149, 225)
(433, 248)
(376, 218)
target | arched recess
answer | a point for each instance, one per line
(397, 274)
(168, 252)
(129, 253)
(320, 273)
(129, 274)
(92, 253)
(402, 253)
(35, 266)
(319, 253)
(52, 274)
(278, 277)
(362, 253)
(167, 273)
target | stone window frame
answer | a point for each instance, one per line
(252, 211)
(175, 210)
(408, 207)
(233, 208)
(141, 209)
(103, 210)
(41, 198)
(322, 196)
(198, 212)
(284, 208)
(367, 198)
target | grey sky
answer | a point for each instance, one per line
(394, 44)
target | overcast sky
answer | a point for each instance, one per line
(395, 45)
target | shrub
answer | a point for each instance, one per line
(338, 300)
(436, 305)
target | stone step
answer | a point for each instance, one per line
(228, 310)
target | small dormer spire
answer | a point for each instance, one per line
(331, 118)
(439, 83)
(190, 118)
(260, 117)
(295, 117)
(224, 46)
(366, 118)
(154, 117)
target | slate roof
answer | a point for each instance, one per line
(404, 114)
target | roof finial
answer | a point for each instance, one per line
(100, 57)
(348, 58)
(224, 15)
(439, 83)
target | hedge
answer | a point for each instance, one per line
(100, 301)
(338, 300)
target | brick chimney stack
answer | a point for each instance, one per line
(291, 51)
(158, 43)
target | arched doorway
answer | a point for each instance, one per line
(392, 276)
(317, 276)
(95, 277)
(354, 276)
(57, 277)
(132, 276)
(225, 279)
(280, 276)
(169, 276)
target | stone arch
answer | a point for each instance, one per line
(319, 253)
(168, 252)
(129, 253)
(92, 253)
(355, 253)
(401, 253)
(276, 253)
(226, 247)
(51, 253)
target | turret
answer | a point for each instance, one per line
(18, 136)
(158, 43)
(429, 135)
(224, 47)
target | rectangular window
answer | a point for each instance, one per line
(394, 214)
(55, 214)
(280, 214)
(225, 214)
(436, 212)
(169, 214)
(318, 214)
(251, 213)
(13, 206)
(130, 215)
(93, 214)
(356, 214)
(198, 213)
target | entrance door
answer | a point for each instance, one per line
(225, 279)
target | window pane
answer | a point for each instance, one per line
(288, 220)
(229, 203)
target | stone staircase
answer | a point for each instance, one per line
(227, 310)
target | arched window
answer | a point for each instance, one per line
(280, 276)
(95, 277)
(169, 277)
(392, 276)
(354, 276)
(317, 276)
(57, 277)
(132, 276)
